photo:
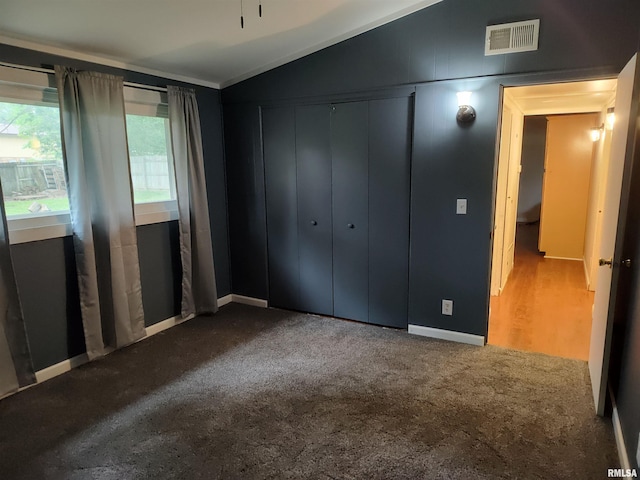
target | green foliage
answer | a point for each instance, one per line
(36, 125)
(146, 135)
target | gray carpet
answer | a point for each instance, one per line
(256, 394)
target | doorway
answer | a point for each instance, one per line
(550, 185)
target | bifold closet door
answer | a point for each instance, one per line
(350, 173)
(389, 187)
(313, 153)
(279, 146)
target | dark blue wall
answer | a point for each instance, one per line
(446, 41)
(45, 270)
(437, 51)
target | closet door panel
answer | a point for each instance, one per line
(313, 153)
(350, 159)
(389, 186)
(279, 144)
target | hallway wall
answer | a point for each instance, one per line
(533, 147)
(565, 189)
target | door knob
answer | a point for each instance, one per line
(314, 223)
(603, 262)
(624, 263)
(350, 225)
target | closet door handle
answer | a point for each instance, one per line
(314, 223)
(350, 225)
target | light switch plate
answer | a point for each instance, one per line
(461, 206)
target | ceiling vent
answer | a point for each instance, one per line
(512, 37)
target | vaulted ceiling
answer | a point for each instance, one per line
(199, 40)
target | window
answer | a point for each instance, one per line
(31, 166)
(151, 163)
(31, 163)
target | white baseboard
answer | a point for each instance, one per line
(164, 325)
(222, 301)
(256, 302)
(551, 257)
(617, 432)
(60, 368)
(586, 273)
(66, 365)
(173, 321)
(447, 335)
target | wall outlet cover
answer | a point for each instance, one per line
(447, 307)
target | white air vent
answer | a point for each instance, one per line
(512, 37)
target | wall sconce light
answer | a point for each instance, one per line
(611, 118)
(466, 113)
(596, 132)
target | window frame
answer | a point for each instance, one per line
(152, 103)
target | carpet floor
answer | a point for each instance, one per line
(269, 394)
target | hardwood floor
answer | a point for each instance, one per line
(545, 306)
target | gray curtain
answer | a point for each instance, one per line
(16, 369)
(99, 184)
(196, 252)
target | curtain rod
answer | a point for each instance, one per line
(51, 71)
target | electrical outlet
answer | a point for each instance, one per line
(461, 206)
(447, 307)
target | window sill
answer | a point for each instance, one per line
(156, 212)
(33, 228)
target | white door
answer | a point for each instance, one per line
(602, 325)
(501, 197)
(511, 209)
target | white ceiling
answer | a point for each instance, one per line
(560, 98)
(194, 40)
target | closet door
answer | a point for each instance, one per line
(389, 186)
(350, 159)
(279, 144)
(313, 152)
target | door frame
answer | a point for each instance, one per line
(531, 81)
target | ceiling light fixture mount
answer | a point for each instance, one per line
(242, 12)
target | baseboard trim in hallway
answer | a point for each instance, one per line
(550, 257)
(449, 335)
